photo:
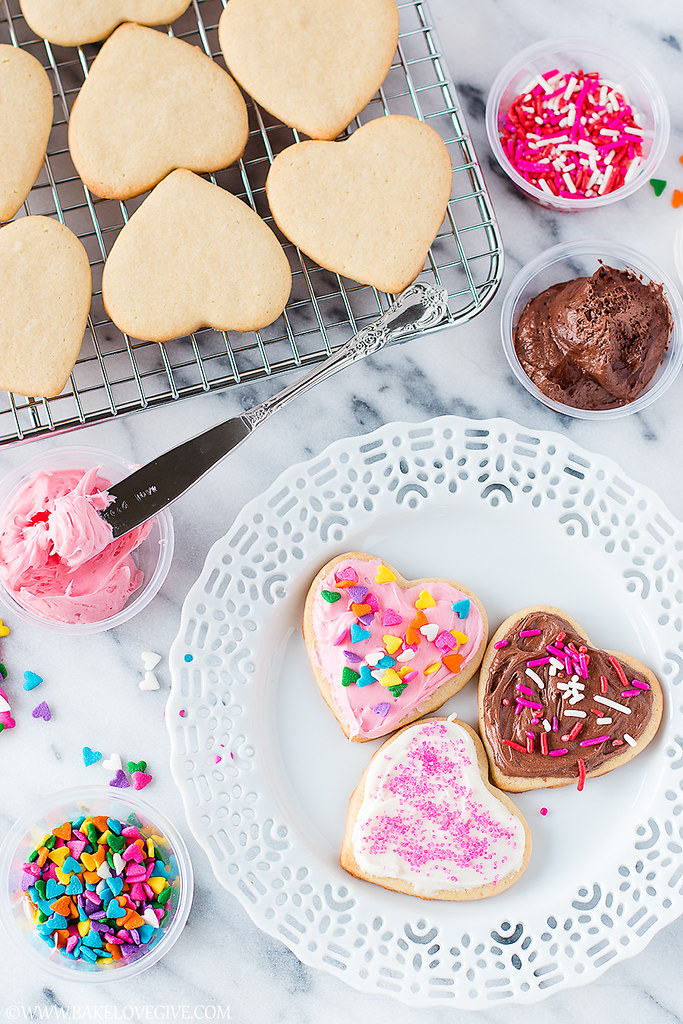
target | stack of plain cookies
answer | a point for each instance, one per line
(153, 115)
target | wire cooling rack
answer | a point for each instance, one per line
(116, 374)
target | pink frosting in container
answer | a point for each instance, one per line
(58, 559)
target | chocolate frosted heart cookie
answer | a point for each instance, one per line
(424, 819)
(386, 650)
(554, 709)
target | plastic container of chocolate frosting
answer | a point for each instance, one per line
(593, 271)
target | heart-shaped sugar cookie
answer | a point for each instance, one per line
(25, 122)
(194, 256)
(152, 103)
(45, 291)
(553, 709)
(314, 64)
(75, 22)
(368, 207)
(376, 667)
(425, 821)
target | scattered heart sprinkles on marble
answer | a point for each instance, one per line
(149, 682)
(31, 680)
(120, 781)
(42, 711)
(150, 660)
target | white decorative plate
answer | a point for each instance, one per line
(520, 517)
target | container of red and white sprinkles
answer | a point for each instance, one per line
(575, 126)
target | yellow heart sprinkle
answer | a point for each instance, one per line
(59, 855)
(83, 927)
(460, 637)
(390, 678)
(384, 575)
(434, 667)
(391, 642)
(62, 876)
(4, 630)
(157, 883)
(87, 859)
(425, 600)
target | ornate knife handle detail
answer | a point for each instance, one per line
(417, 309)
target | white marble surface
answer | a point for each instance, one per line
(222, 959)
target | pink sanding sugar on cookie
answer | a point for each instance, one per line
(427, 815)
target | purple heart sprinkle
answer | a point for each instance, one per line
(42, 711)
(382, 709)
(352, 657)
(120, 780)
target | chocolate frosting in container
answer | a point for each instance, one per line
(551, 700)
(594, 342)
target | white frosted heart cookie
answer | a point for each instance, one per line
(425, 821)
(314, 64)
(25, 123)
(45, 291)
(192, 256)
(76, 22)
(368, 207)
(554, 709)
(150, 104)
(385, 650)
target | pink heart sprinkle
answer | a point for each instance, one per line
(7, 720)
(133, 852)
(391, 618)
(141, 779)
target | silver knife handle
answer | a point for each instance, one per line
(419, 307)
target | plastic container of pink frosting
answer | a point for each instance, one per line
(59, 568)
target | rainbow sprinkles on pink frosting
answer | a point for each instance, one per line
(385, 647)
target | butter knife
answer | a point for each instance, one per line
(151, 488)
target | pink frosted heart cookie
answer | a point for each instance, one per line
(424, 820)
(386, 650)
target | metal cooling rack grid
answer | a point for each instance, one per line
(116, 374)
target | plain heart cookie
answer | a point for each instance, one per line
(45, 292)
(385, 650)
(152, 103)
(553, 709)
(76, 22)
(369, 207)
(25, 123)
(192, 256)
(314, 64)
(424, 819)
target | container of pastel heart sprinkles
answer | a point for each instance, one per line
(95, 885)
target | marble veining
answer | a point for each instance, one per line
(222, 959)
